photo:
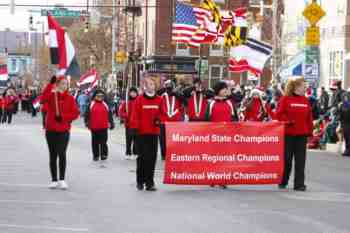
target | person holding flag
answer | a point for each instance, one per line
(125, 112)
(197, 101)
(62, 110)
(171, 111)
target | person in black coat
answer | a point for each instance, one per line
(344, 117)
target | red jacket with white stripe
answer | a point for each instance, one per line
(146, 115)
(220, 111)
(98, 117)
(171, 109)
(197, 106)
(296, 112)
(67, 109)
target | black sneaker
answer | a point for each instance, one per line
(300, 189)
(282, 186)
(139, 187)
(151, 189)
(223, 186)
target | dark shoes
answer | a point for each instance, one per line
(300, 188)
(139, 187)
(282, 186)
(151, 189)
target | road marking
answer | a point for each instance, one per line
(35, 202)
(23, 185)
(44, 228)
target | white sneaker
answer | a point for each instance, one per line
(103, 163)
(134, 157)
(63, 185)
(53, 185)
(128, 157)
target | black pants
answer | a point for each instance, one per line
(2, 112)
(99, 144)
(146, 161)
(131, 145)
(7, 116)
(346, 130)
(57, 143)
(34, 112)
(43, 114)
(162, 141)
(295, 147)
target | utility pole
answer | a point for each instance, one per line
(275, 38)
(113, 38)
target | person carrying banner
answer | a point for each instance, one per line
(295, 110)
(171, 111)
(197, 102)
(61, 111)
(146, 119)
(125, 111)
(221, 109)
(98, 118)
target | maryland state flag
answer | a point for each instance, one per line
(210, 5)
(235, 36)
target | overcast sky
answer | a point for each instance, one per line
(19, 21)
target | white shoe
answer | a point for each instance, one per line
(63, 185)
(128, 157)
(134, 157)
(103, 163)
(53, 185)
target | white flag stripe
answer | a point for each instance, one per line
(70, 51)
(53, 43)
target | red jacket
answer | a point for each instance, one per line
(146, 115)
(171, 109)
(296, 111)
(220, 111)
(2, 103)
(10, 102)
(125, 113)
(201, 103)
(98, 117)
(67, 109)
(254, 111)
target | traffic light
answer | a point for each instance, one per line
(87, 25)
(31, 21)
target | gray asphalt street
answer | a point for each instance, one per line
(106, 201)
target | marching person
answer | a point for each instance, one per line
(10, 100)
(255, 107)
(61, 111)
(171, 111)
(344, 117)
(125, 111)
(197, 103)
(146, 119)
(2, 108)
(221, 109)
(295, 110)
(98, 118)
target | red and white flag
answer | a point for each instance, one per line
(3, 73)
(89, 80)
(61, 49)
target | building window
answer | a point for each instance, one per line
(216, 50)
(182, 50)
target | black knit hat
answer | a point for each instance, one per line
(98, 91)
(219, 86)
(133, 89)
(197, 80)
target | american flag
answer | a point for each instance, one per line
(191, 24)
